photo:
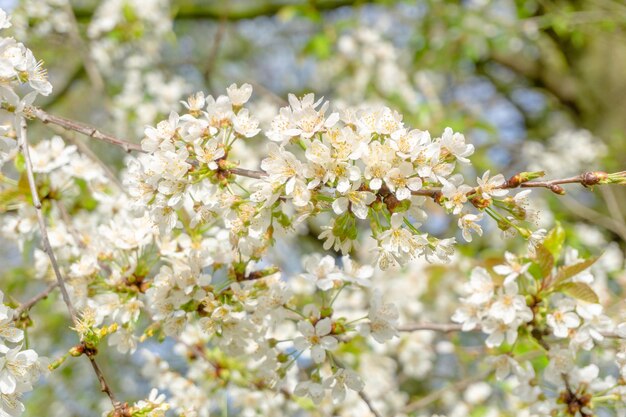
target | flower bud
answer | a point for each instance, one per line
(326, 312)
(479, 202)
(77, 350)
(592, 178)
(557, 189)
(523, 177)
(57, 363)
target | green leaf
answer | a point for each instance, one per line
(580, 291)
(545, 260)
(566, 272)
(554, 240)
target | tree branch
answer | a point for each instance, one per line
(586, 179)
(369, 403)
(26, 306)
(24, 148)
(104, 387)
(80, 127)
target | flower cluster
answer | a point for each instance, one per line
(555, 307)
(19, 367)
(561, 302)
(123, 28)
(360, 164)
(18, 66)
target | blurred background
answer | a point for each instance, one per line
(534, 84)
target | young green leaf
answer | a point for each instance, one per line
(554, 240)
(566, 272)
(545, 260)
(580, 291)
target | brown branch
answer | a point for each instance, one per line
(369, 403)
(247, 173)
(24, 148)
(82, 128)
(586, 179)
(104, 386)
(564, 88)
(27, 305)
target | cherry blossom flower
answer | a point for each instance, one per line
(512, 269)
(383, 317)
(239, 95)
(491, 187)
(563, 318)
(316, 337)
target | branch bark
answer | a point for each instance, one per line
(26, 306)
(24, 148)
(80, 127)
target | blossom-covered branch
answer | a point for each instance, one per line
(191, 246)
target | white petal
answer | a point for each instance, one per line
(323, 327)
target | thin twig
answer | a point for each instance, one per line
(361, 393)
(369, 404)
(83, 128)
(247, 173)
(269, 93)
(24, 148)
(460, 385)
(23, 145)
(104, 386)
(27, 305)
